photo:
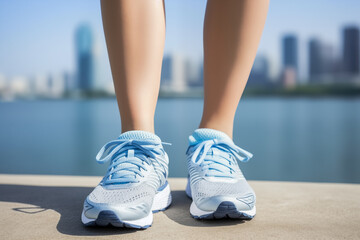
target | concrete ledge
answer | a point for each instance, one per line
(49, 207)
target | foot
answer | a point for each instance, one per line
(216, 184)
(134, 186)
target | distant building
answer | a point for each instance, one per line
(173, 74)
(288, 78)
(3, 87)
(351, 50)
(201, 74)
(69, 83)
(20, 87)
(290, 52)
(194, 74)
(56, 85)
(326, 67)
(84, 45)
(166, 71)
(316, 64)
(329, 59)
(50, 82)
(41, 86)
(259, 75)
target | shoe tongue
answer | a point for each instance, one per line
(134, 135)
(139, 135)
(203, 134)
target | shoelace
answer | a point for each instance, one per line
(220, 165)
(125, 164)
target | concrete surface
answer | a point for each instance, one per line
(49, 207)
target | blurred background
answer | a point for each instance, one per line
(300, 114)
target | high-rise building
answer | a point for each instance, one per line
(290, 53)
(351, 50)
(173, 73)
(166, 72)
(322, 61)
(329, 59)
(41, 86)
(201, 74)
(84, 44)
(193, 72)
(259, 74)
(3, 85)
(56, 85)
(68, 83)
(316, 65)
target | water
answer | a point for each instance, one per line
(292, 139)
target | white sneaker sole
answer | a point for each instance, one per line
(162, 200)
(226, 209)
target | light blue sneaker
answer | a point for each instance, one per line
(135, 184)
(216, 184)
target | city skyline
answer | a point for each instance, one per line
(60, 57)
(180, 74)
(184, 18)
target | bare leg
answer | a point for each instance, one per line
(232, 32)
(135, 35)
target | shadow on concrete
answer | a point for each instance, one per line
(180, 213)
(68, 202)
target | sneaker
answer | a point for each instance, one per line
(216, 184)
(134, 186)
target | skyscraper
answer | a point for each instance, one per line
(173, 73)
(194, 73)
(259, 74)
(290, 52)
(322, 61)
(84, 57)
(315, 58)
(166, 71)
(351, 50)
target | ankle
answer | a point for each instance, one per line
(225, 128)
(133, 126)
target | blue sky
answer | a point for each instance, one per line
(37, 36)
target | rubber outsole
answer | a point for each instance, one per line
(109, 218)
(225, 210)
